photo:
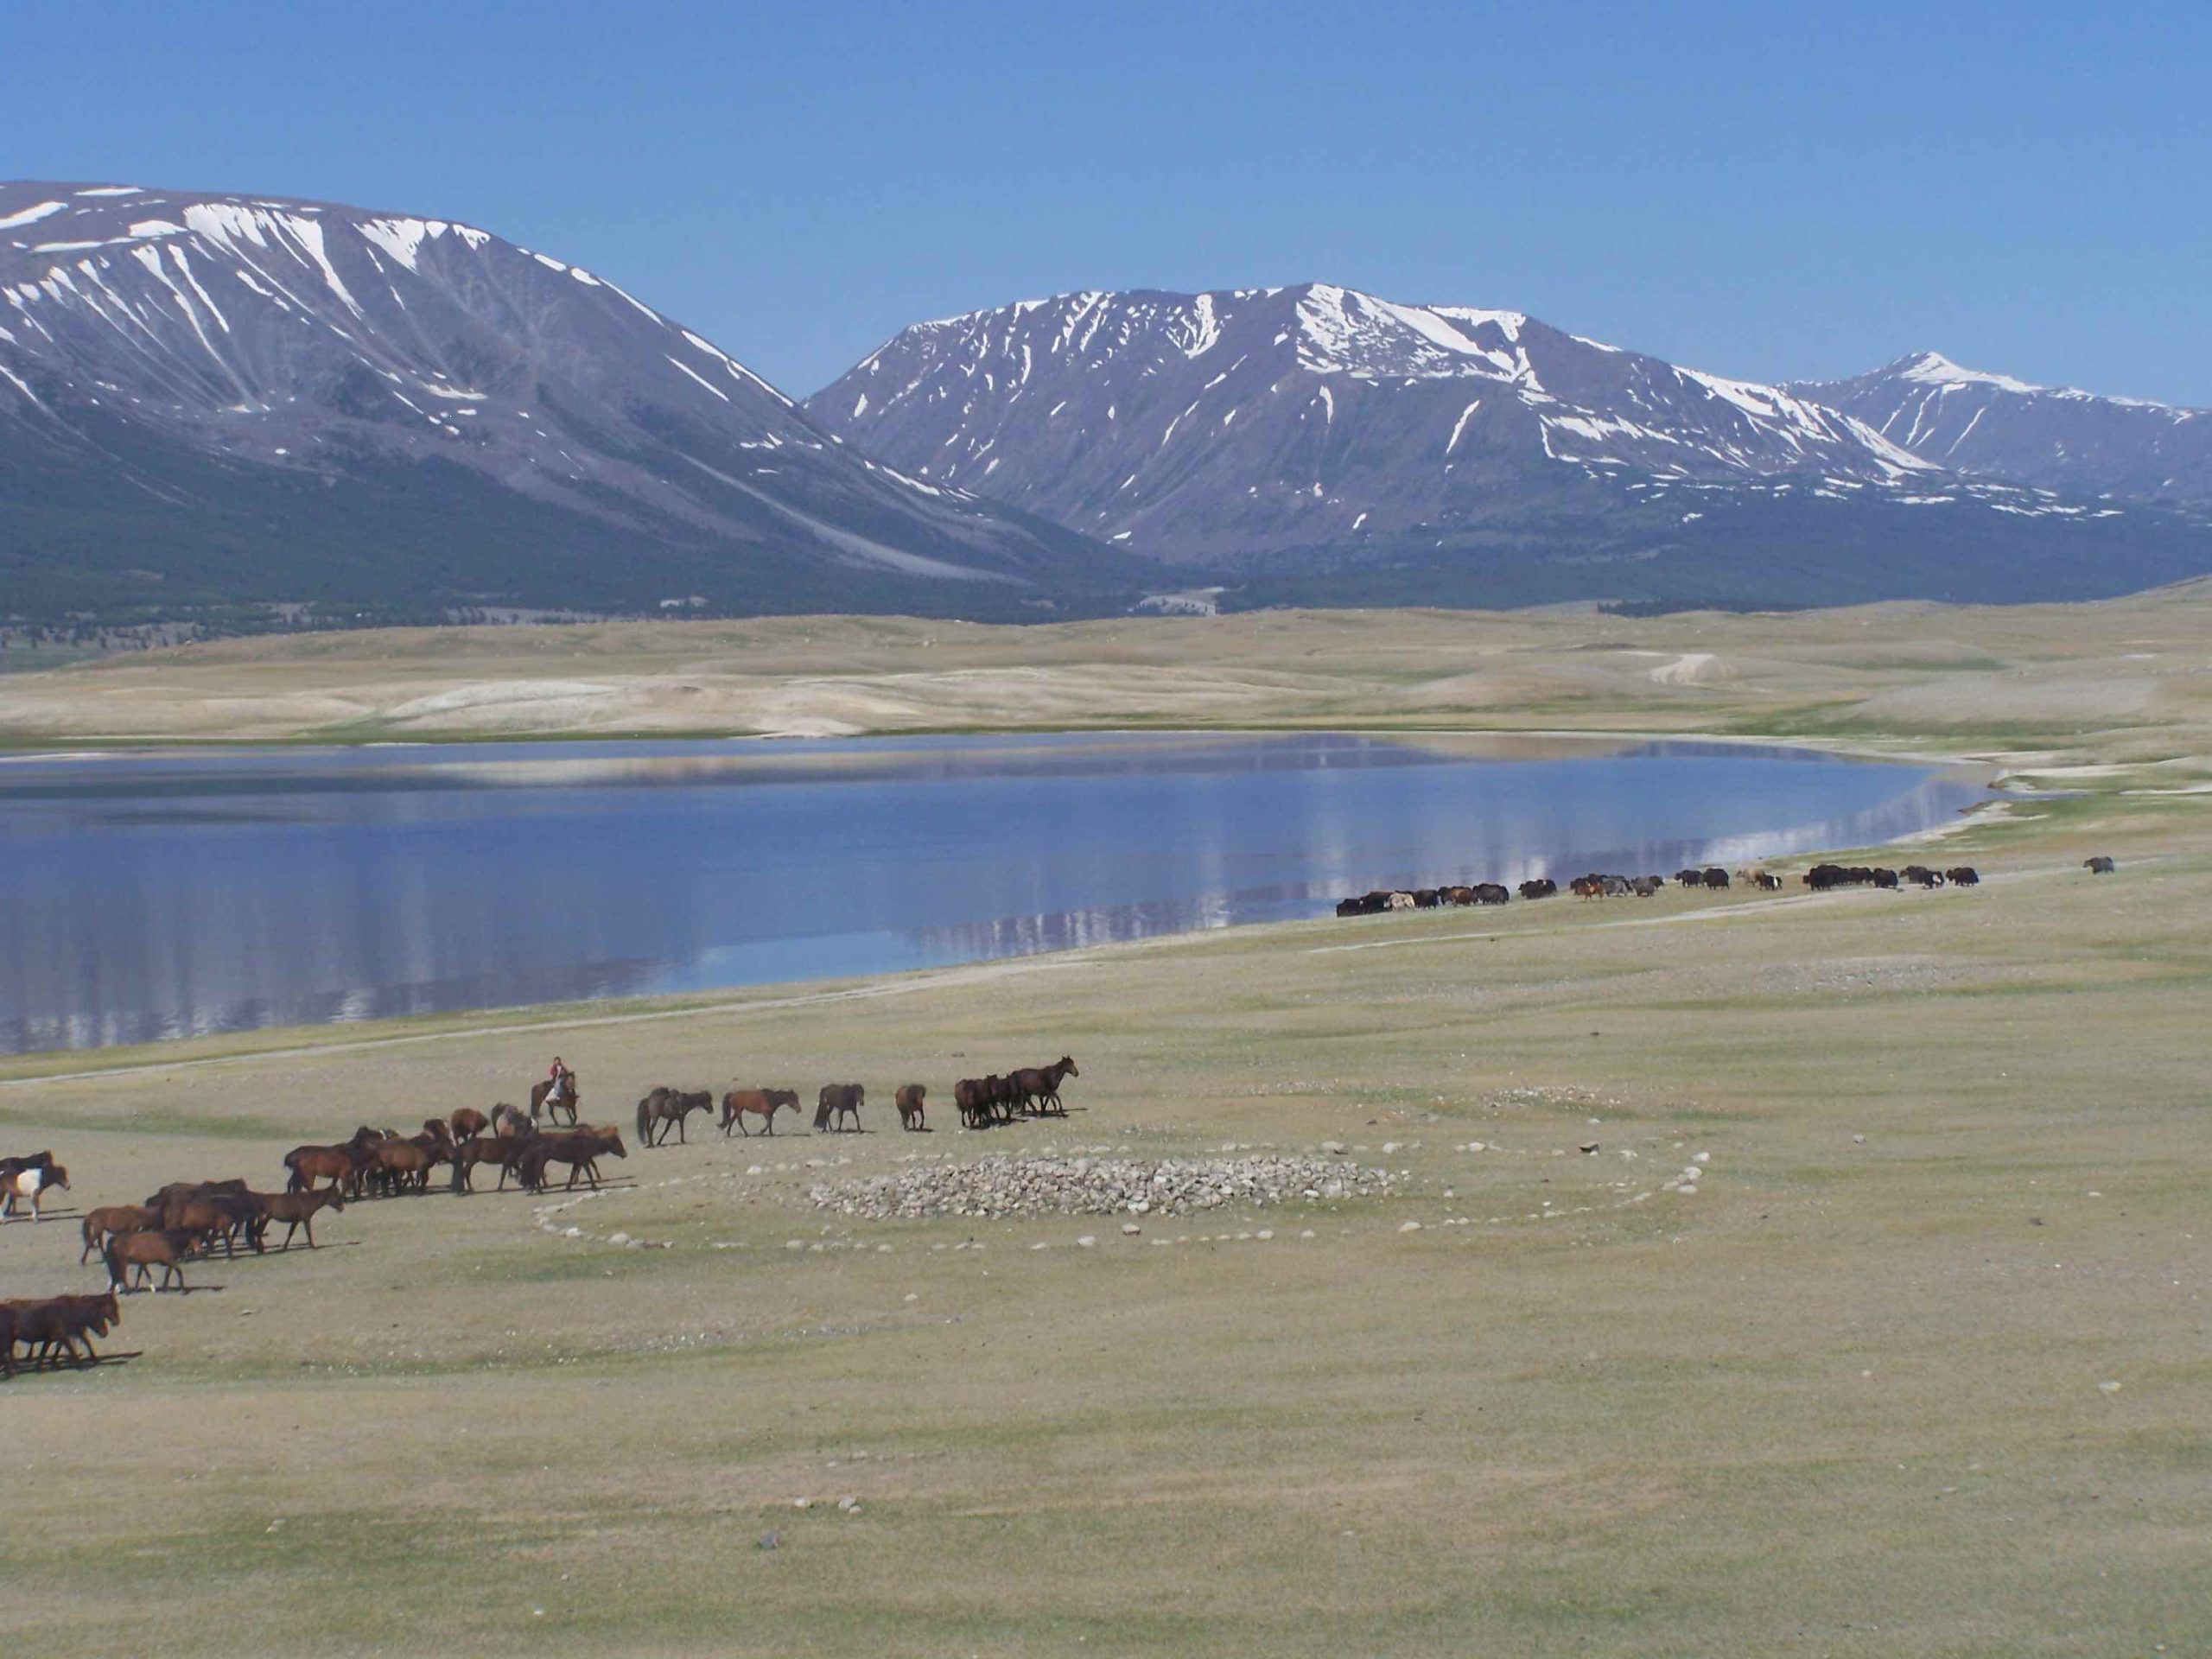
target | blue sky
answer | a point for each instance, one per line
(1768, 190)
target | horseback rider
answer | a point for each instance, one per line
(560, 1081)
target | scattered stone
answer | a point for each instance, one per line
(1410, 1227)
(1857, 1139)
(1087, 1242)
(772, 1540)
(1587, 1146)
(1002, 1185)
(2108, 1387)
(1130, 1229)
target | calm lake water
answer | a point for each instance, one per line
(145, 897)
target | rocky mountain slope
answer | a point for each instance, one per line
(1995, 426)
(1310, 440)
(213, 398)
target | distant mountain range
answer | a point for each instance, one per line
(1315, 442)
(208, 399)
(213, 403)
(1993, 426)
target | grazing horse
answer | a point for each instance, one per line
(543, 1099)
(1038, 1088)
(469, 1124)
(666, 1106)
(908, 1099)
(296, 1209)
(165, 1249)
(578, 1149)
(32, 1184)
(763, 1103)
(838, 1102)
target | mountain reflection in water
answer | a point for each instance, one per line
(147, 897)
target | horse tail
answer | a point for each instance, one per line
(86, 1228)
(114, 1268)
(642, 1120)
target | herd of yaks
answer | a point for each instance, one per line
(1595, 886)
(187, 1220)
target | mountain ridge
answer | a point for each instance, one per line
(176, 367)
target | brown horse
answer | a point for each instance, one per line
(580, 1149)
(469, 1124)
(666, 1107)
(111, 1219)
(908, 1099)
(31, 1185)
(512, 1120)
(51, 1327)
(297, 1210)
(504, 1150)
(973, 1101)
(1037, 1089)
(543, 1101)
(763, 1103)
(166, 1249)
(838, 1102)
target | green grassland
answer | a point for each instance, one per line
(1853, 1396)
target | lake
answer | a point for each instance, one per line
(153, 896)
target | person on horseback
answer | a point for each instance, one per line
(560, 1081)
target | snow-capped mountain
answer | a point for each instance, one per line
(1319, 443)
(237, 396)
(1995, 426)
(1198, 425)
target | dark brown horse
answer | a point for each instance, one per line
(469, 1124)
(664, 1108)
(1038, 1088)
(908, 1099)
(543, 1101)
(580, 1149)
(763, 1103)
(503, 1150)
(51, 1327)
(838, 1102)
(973, 1101)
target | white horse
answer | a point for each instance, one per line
(33, 1183)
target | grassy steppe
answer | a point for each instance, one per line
(1848, 1398)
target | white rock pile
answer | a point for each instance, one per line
(1016, 1185)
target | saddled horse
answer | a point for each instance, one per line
(908, 1099)
(763, 1103)
(1038, 1088)
(838, 1102)
(31, 1186)
(664, 1108)
(580, 1149)
(543, 1101)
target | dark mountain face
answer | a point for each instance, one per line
(1993, 425)
(227, 398)
(1315, 442)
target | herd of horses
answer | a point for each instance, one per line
(148, 1245)
(1711, 878)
